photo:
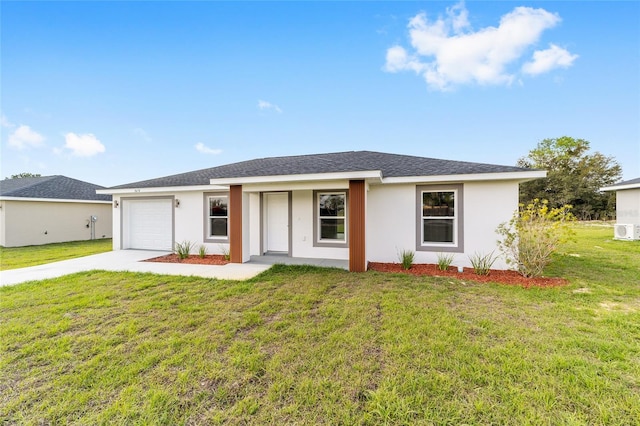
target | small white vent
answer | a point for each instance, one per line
(626, 232)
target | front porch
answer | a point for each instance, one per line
(272, 259)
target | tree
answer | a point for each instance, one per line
(574, 177)
(24, 175)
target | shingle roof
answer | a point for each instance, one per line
(54, 187)
(628, 182)
(391, 165)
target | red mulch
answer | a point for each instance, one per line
(495, 276)
(210, 259)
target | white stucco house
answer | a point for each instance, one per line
(627, 209)
(357, 206)
(52, 209)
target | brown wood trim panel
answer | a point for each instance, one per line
(235, 223)
(356, 208)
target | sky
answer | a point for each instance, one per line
(117, 92)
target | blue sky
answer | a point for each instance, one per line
(115, 92)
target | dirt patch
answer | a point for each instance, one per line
(210, 259)
(495, 276)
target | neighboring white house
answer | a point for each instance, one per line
(357, 206)
(52, 209)
(627, 209)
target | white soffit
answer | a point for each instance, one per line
(370, 174)
(519, 176)
(170, 189)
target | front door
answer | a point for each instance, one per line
(277, 222)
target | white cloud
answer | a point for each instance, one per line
(142, 134)
(86, 145)
(447, 52)
(24, 137)
(4, 121)
(546, 60)
(200, 147)
(264, 105)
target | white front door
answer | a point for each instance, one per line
(277, 221)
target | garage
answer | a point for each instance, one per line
(147, 224)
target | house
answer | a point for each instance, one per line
(52, 209)
(358, 206)
(627, 209)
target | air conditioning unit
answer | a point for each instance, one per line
(626, 232)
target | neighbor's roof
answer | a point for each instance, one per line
(53, 187)
(391, 165)
(627, 184)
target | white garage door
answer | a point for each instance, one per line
(148, 224)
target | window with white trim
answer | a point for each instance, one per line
(332, 217)
(218, 217)
(440, 218)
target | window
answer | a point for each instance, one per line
(217, 217)
(331, 213)
(439, 218)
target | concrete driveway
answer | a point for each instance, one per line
(130, 260)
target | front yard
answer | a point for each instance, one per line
(302, 345)
(21, 257)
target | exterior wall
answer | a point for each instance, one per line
(189, 220)
(302, 230)
(628, 206)
(392, 225)
(26, 223)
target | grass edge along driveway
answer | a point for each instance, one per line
(308, 345)
(22, 257)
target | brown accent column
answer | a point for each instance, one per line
(235, 223)
(357, 256)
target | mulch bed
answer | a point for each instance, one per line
(210, 259)
(495, 276)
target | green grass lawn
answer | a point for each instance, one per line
(20, 257)
(302, 345)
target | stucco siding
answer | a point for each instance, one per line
(392, 224)
(26, 223)
(628, 206)
(302, 232)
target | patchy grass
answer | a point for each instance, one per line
(21, 257)
(303, 345)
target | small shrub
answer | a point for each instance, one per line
(202, 251)
(225, 252)
(532, 235)
(406, 258)
(183, 249)
(444, 261)
(482, 263)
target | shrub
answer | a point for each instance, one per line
(444, 261)
(406, 258)
(202, 251)
(183, 249)
(533, 234)
(482, 263)
(225, 252)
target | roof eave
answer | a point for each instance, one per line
(522, 176)
(369, 175)
(621, 187)
(113, 191)
(54, 200)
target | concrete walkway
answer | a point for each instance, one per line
(130, 260)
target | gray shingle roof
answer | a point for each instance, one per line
(391, 165)
(54, 187)
(627, 182)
